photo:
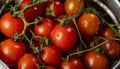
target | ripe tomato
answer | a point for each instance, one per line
(107, 32)
(28, 61)
(112, 48)
(64, 37)
(33, 12)
(72, 6)
(11, 52)
(73, 63)
(51, 56)
(88, 24)
(94, 60)
(10, 25)
(44, 28)
(55, 8)
(50, 67)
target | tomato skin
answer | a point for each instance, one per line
(44, 28)
(11, 52)
(88, 24)
(51, 55)
(112, 49)
(10, 25)
(56, 4)
(28, 61)
(94, 60)
(63, 37)
(72, 6)
(73, 63)
(33, 12)
(50, 67)
(107, 32)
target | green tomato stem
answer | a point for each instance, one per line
(80, 52)
(79, 34)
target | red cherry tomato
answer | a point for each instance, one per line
(73, 63)
(10, 25)
(112, 49)
(28, 61)
(11, 52)
(44, 28)
(64, 37)
(51, 56)
(33, 12)
(94, 60)
(55, 8)
(88, 24)
(72, 6)
(107, 32)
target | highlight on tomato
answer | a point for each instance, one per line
(64, 38)
(28, 61)
(10, 25)
(11, 51)
(95, 60)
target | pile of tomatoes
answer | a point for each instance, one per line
(57, 34)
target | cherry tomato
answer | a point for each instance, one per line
(112, 48)
(51, 55)
(64, 37)
(55, 8)
(33, 12)
(88, 24)
(10, 25)
(73, 63)
(44, 28)
(94, 60)
(107, 32)
(72, 6)
(11, 52)
(28, 61)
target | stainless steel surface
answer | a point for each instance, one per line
(3, 4)
(116, 65)
(3, 65)
(114, 5)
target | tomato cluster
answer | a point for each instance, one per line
(57, 34)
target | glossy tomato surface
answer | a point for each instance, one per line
(50, 67)
(28, 61)
(10, 26)
(55, 8)
(73, 6)
(88, 24)
(33, 12)
(112, 49)
(44, 28)
(64, 37)
(11, 52)
(51, 55)
(94, 60)
(73, 63)
(107, 32)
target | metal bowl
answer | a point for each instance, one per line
(111, 7)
